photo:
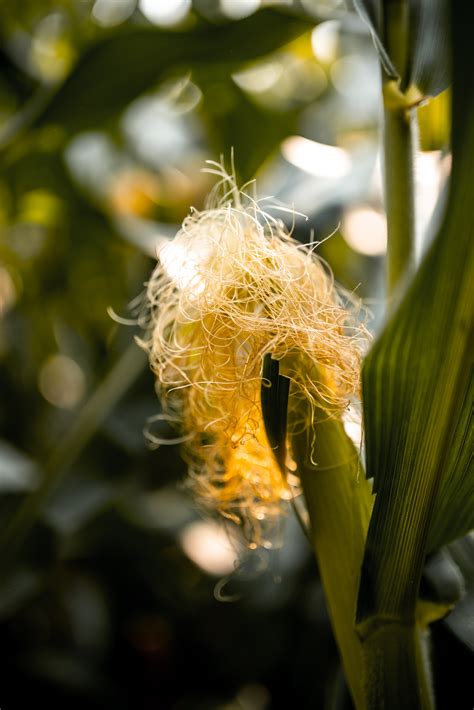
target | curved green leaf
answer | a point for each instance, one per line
(339, 500)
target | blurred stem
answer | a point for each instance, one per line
(399, 142)
(14, 135)
(122, 375)
(339, 501)
(399, 146)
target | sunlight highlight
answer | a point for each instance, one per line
(62, 382)
(321, 160)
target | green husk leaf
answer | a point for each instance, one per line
(339, 501)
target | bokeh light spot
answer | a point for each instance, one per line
(352, 74)
(365, 230)
(8, 293)
(236, 9)
(325, 41)
(109, 13)
(165, 12)
(259, 78)
(209, 547)
(62, 382)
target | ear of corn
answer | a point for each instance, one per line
(233, 287)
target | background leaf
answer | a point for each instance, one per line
(425, 62)
(115, 70)
(461, 619)
(371, 11)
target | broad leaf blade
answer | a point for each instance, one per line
(418, 392)
(450, 520)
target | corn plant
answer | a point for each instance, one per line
(257, 353)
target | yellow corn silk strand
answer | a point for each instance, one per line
(232, 286)
(243, 483)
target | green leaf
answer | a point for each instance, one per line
(417, 51)
(417, 384)
(119, 68)
(274, 399)
(339, 501)
(450, 519)
(371, 12)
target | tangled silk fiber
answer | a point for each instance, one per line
(232, 286)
